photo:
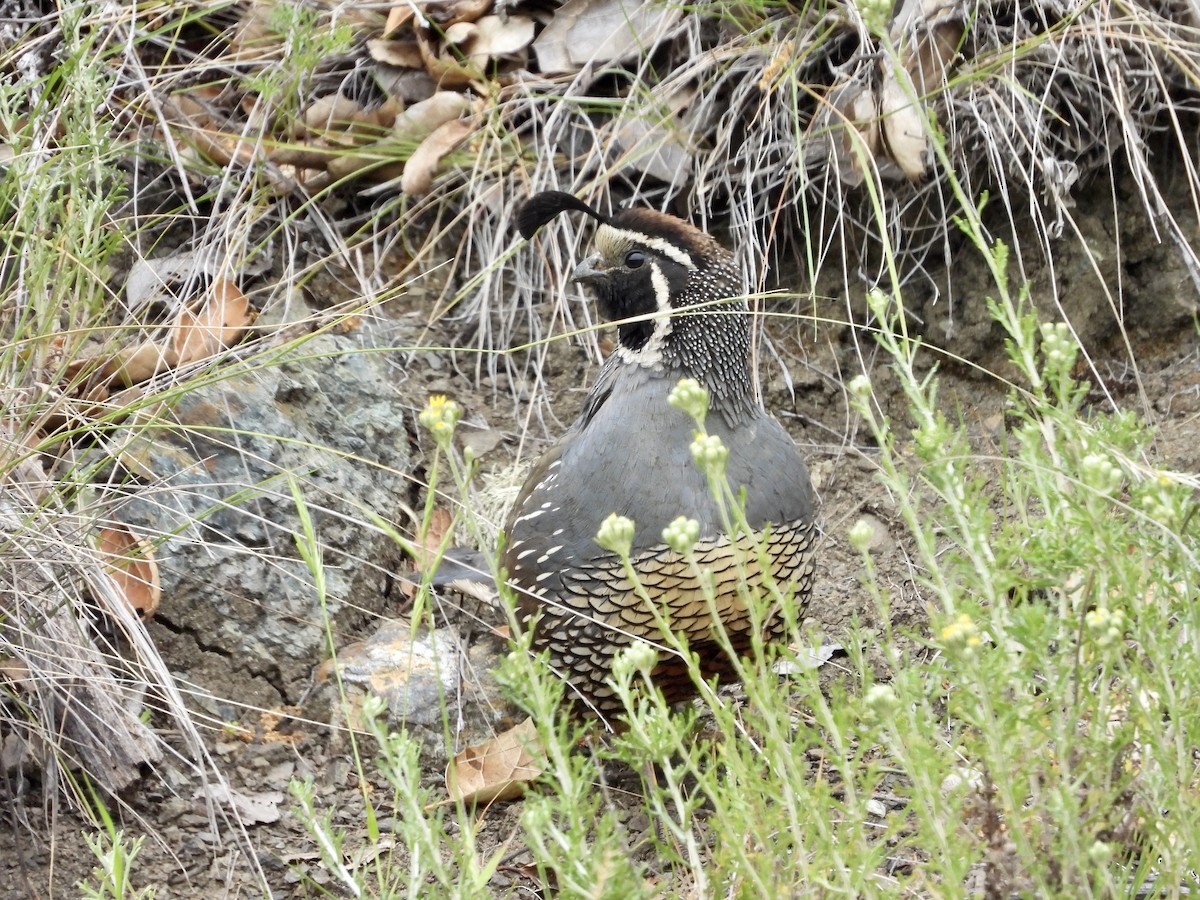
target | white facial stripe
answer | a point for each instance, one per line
(650, 355)
(662, 290)
(667, 249)
(614, 243)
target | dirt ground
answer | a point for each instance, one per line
(1155, 369)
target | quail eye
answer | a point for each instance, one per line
(634, 259)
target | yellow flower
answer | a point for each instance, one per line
(439, 416)
(960, 632)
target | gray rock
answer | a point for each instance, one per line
(240, 617)
(436, 683)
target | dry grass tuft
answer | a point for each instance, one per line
(784, 127)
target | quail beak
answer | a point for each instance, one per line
(586, 272)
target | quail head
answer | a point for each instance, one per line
(673, 291)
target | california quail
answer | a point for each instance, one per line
(628, 453)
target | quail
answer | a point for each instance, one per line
(673, 291)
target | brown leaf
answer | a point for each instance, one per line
(935, 52)
(460, 34)
(847, 126)
(926, 34)
(423, 164)
(130, 565)
(132, 365)
(662, 147)
(398, 16)
(218, 324)
(496, 38)
(15, 671)
(348, 165)
(446, 69)
(448, 12)
(384, 115)
(430, 544)
(499, 769)
(195, 127)
(400, 52)
(21, 462)
(333, 112)
(195, 336)
(422, 119)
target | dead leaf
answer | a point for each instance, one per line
(846, 128)
(658, 145)
(333, 112)
(421, 119)
(132, 365)
(130, 565)
(460, 34)
(443, 66)
(196, 126)
(406, 86)
(801, 658)
(350, 165)
(20, 460)
(429, 545)
(151, 280)
(481, 441)
(398, 16)
(400, 52)
(497, 38)
(926, 34)
(448, 12)
(903, 127)
(496, 770)
(220, 322)
(261, 808)
(423, 164)
(383, 116)
(601, 31)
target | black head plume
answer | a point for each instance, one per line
(541, 208)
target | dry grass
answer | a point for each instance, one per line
(1039, 99)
